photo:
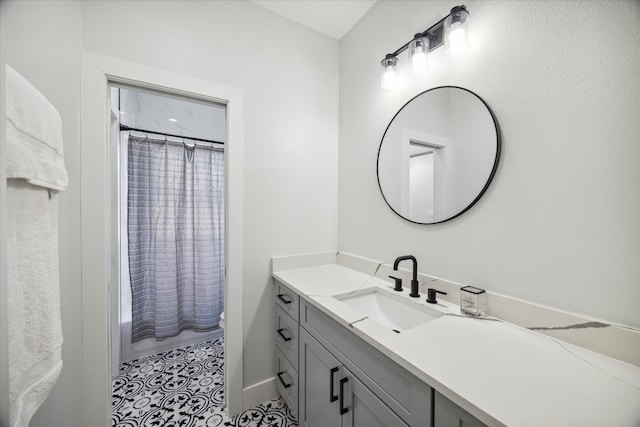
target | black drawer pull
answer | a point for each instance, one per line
(332, 397)
(285, 298)
(282, 381)
(343, 410)
(285, 338)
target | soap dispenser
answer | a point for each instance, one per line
(472, 300)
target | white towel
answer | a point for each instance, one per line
(35, 330)
(34, 166)
(34, 135)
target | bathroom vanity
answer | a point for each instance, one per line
(331, 378)
(341, 364)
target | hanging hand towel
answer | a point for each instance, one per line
(34, 136)
(35, 166)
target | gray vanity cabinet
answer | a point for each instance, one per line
(286, 334)
(330, 395)
(448, 414)
(329, 377)
(401, 398)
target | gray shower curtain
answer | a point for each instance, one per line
(176, 237)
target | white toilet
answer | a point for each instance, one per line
(221, 323)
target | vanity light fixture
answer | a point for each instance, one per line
(451, 31)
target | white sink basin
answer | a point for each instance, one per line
(389, 309)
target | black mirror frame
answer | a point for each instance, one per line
(489, 179)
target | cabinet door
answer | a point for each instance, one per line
(448, 414)
(319, 374)
(361, 408)
(406, 395)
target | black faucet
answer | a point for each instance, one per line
(414, 282)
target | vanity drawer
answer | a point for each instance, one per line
(404, 393)
(287, 300)
(287, 382)
(287, 335)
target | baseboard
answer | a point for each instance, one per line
(259, 393)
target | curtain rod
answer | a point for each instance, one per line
(125, 127)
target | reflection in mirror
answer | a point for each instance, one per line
(438, 155)
(421, 182)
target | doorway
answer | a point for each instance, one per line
(421, 182)
(99, 214)
(170, 198)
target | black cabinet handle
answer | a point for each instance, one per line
(282, 381)
(285, 338)
(285, 298)
(343, 410)
(332, 397)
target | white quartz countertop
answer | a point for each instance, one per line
(499, 372)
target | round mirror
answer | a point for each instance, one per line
(438, 155)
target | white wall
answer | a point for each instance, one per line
(289, 77)
(559, 224)
(4, 318)
(42, 42)
(472, 151)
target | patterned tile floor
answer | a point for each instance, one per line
(184, 388)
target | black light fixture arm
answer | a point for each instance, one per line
(435, 33)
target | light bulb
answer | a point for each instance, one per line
(418, 49)
(419, 63)
(389, 78)
(456, 28)
(458, 41)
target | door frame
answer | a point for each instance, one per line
(121, 332)
(99, 266)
